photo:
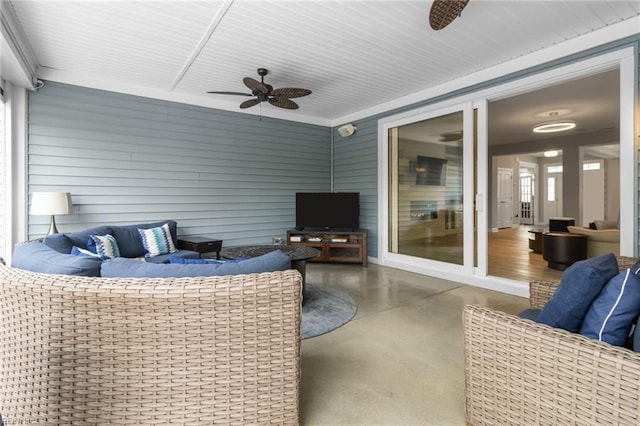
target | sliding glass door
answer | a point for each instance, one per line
(426, 188)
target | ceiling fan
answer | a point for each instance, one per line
(266, 93)
(443, 12)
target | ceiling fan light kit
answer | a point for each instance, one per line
(555, 126)
(263, 92)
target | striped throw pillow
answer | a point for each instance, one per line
(105, 246)
(157, 241)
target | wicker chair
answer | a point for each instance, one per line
(78, 350)
(519, 372)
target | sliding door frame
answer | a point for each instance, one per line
(421, 265)
(623, 59)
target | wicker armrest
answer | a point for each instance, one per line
(521, 372)
(540, 293)
(625, 262)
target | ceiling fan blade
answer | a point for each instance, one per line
(249, 103)
(291, 92)
(283, 103)
(230, 93)
(255, 85)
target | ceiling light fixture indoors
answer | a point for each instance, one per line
(550, 154)
(554, 126)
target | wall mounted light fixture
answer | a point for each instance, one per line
(347, 130)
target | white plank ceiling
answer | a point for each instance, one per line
(353, 55)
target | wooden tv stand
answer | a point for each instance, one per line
(336, 246)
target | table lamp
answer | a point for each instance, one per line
(51, 203)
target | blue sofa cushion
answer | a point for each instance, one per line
(530, 314)
(181, 254)
(38, 257)
(123, 268)
(612, 313)
(63, 243)
(580, 285)
(129, 239)
(198, 261)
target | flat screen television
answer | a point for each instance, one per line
(328, 210)
(431, 171)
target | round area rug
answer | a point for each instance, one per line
(325, 309)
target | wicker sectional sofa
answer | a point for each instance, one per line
(518, 372)
(199, 350)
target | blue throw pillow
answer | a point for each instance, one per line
(129, 239)
(611, 315)
(65, 242)
(104, 246)
(157, 241)
(77, 251)
(201, 261)
(580, 285)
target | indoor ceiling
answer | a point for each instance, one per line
(353, 55)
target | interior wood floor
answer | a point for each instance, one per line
(510, 257)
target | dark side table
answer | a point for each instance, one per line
(535, 243)
(562, 249)
(201, 245)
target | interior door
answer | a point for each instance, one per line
(553, 192)
(505, 197)
(526, 199)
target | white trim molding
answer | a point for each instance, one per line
(18, 56)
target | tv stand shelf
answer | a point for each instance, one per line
(336, 246)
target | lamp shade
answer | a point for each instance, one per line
(50, 203)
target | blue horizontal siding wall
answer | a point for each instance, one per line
(127, 159)
(355, 169)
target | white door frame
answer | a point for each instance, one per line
(557, 202)
(624, 59)
(499, 199)
(420, 265)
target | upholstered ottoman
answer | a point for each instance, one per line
(562, 249)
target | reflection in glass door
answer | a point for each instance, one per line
(426, 189)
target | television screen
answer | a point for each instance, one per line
(431, 171)
(328, 210)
